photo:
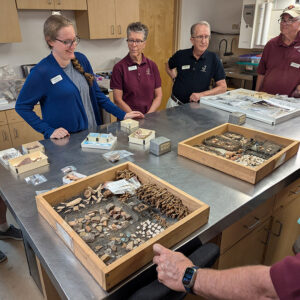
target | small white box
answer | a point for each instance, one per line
(99, 141)
(130, 124)
(141, 136)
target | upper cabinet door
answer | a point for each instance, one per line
(35, 4)
(98, 22)
(126, 12)
(52, 4)
(9, 17)
(70, 4)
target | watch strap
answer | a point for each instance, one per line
(190, 289)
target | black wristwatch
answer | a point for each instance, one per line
(189, 278)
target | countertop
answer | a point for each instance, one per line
(229, 198)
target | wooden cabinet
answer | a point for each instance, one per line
(5, 139)
(285, 229)
(244, 226)
(9, 23)
(248, 251)
(106, 19)
(14, 131)
(52, 4)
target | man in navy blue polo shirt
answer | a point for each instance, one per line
(192, 69)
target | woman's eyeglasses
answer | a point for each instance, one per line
(69, 43)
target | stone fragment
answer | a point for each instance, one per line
(72, 223)
(98, 247)
(104, 223)
(88, 228)
(99, 228)
(114, 248)
(95, 219)
(87, 237)
(129, 246)
(105, 257)
(76, 208)
(81, 205)
(107, 194)
(74, 202)
(87, 193)
(109, 207)
(102, 211)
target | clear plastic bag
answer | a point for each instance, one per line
(36, 179)
(114, 156)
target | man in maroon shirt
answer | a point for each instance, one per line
(279, 68)
(135, 79)
(281, 281)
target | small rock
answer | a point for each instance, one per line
(110, 206)
(105, 257)
(129, 246)
(87, 237)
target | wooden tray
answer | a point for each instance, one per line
(26, 148)
(24, 168)
(110, 275)
(249, 174)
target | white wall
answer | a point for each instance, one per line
(221, 14)
(32, 49)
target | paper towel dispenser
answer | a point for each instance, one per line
(259, 22)
(248, 14)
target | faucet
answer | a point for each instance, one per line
(223, 40)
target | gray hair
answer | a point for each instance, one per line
(52, 25)
(138, 27)
(199, 23)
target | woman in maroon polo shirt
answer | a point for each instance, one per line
(135, 79)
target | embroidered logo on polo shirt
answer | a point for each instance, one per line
(185, 67)
(204, 68)
(148, 71)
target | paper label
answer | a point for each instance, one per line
(131, 68)
(185, 67)
(56, 79)
(63, 234)
(280, 161)
(295, 65)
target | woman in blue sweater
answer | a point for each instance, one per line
(65, 87)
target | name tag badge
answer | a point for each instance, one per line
(56, 79)
(131, 68)
(295, 65)
(186, 67)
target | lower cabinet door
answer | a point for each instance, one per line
(284, 232)
(249, 250)
(5, 140)
(22, 133)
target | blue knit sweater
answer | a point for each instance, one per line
(60, 99)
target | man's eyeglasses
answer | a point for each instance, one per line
(69, 43)
(138, 42)
(201, 37)
(287, 21)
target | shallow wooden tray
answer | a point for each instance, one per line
(110, 275)
(249, 174)
(28, 167)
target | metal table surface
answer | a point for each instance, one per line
(229, 198)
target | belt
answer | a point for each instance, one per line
(176, 100)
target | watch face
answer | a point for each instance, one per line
(188, 276)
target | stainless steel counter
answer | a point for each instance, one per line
(229, 198)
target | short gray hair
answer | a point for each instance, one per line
(138, 27)
(199, 23)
